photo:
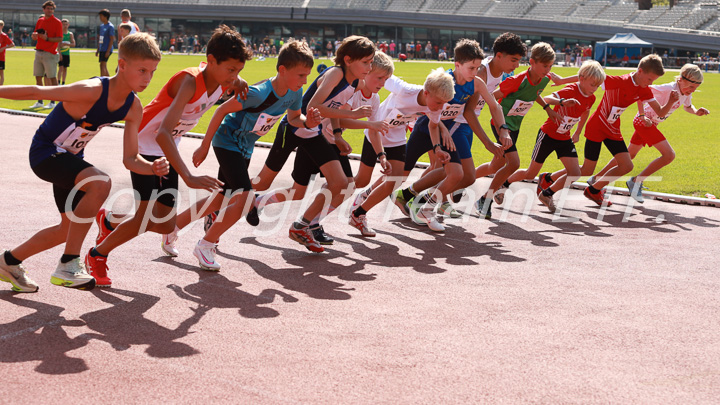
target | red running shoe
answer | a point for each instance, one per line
(542, 183)
(304, 237)
(598, 198)
(97, 267)
(103, 230)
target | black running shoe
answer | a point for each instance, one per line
(320, 236)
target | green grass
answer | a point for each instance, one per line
(696, 140)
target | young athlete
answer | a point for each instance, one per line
(5, 43)
(671, 96)
(304, 168)
(106, 41)
(233, 131)
(332, 89)
(174, 111)
(572, 104)
(56, 156)
(403, 106)
(68, 41)
(603, 127)
(468, 90)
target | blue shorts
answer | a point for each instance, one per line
(462, 135)
(420, 143)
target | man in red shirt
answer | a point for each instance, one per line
(48, 33)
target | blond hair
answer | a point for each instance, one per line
(140, 45)
(542, 52)
(691, 73)
(652, 64)
(440, 84)
(2, 22)
(383, 63)
(591, 69)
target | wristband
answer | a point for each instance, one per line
(305, 124)
(641, 115)
(337, 131)
(435, 146)
(505, 126)
(381, 154)
(561, 102)
(546, 106)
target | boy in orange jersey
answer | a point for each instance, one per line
(176, 110)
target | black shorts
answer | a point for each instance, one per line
(545, 145)
(2, 65)
(318, 148)
(65, 61)
(304, 167)
(102, 57)
(592, 148)
(61, 169)
(233, 171)
(369, 157)
(151, 187)
(513, 136)
(420, 143)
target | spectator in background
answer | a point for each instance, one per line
(125, 18)
(48, 34)
(106, 41)
(392, 48)
(68, 41)
(5, 43)
(428, 51)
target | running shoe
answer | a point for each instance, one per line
(168, 243)
(320, 236)
(359, 199)
(427, 215)
(97, 267)
(446, 209)
(304, 237)
(635, 190)
(484, 207)
(39, 104)
(548, 202)
(543, 183)
(103, 231)
(499, 195)
(253, 216)
(401, 203)
(360, 223)
(73, 275)
(17, 276)
(205, 253)
(597, 198)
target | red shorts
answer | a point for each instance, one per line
(646, 135)
(596, 131)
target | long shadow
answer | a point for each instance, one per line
(214, 290)
(566, 224)
(123, 325)
(306, 273)
(20, 342)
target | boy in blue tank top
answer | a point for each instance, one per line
(56, 156)
(233, 131)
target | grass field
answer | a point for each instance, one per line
(695, 171)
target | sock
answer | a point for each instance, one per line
(548, 193)
(67, 258)
(40, 101)
(107, 223)
(359, 211)
(95, 253)
(408, 193)
(430, 200)
(548, 177)
(422, 199)
(593, 190)
(506, 184)
(457, 196)
(10, 259)
(301, 223)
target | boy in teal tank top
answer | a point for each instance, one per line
(68, 41)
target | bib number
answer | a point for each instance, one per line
(567, 124)
(182, 127)
(78, 139)
(451, 111)
(615, 114)
(264, 123)
(520, 108)
(480, 105)
(397, 119)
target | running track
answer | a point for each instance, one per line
(525, 309)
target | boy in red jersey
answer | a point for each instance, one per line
(176, 110)
(573, 104)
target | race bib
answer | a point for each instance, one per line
(182, 127)
(397, 119)
(615, 114)
(451, 111)
(567, 124)
(480, 105)
(78, 139)
(264, 123)
(520, 108)
(100, 39)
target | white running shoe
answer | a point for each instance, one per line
(448, 210)
(359, 199)
(414, 209)
(17, 276)
(50, 105)
(37, 105)
(205, 253)
(73, 275)
(168, 243)
(548, 202)
(360, 223)
(427, 215)
(499, 195)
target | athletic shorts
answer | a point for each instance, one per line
(596, 131)
(513, 136)
(150, 187)
(368, 157)
(64, 61)
(420, 143)
(304, 167)
(646, 135)
(61, 169)
(45, 64)
(318, 148)
(592, 148)
(2, 65)
(233, 171)
(545, 145)
(462, 136)
(102, 57)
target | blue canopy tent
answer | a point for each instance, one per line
(627, 44)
